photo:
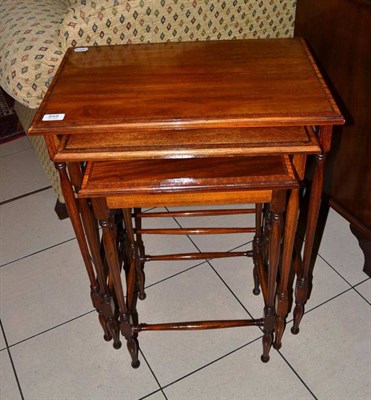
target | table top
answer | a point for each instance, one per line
(187, 85)
(112, 178)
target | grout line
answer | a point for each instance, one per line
(147, 396)
(297, 375)
(25, 195)
(37, 252)
(154, 375)
(212, 362)
(333, 268)
(328, 300)
(363, 297)
(11, 361)
(341, 276)
(177, 273)
(50, 329)
(234, 295)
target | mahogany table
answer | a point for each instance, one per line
(190, 99)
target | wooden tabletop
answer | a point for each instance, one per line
(187, 85)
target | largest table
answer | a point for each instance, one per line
(190, 99)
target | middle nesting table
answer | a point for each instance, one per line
(189, 149)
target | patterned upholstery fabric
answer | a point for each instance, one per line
(26, 115)
(34, 35)
(29, 48)
(133, 21)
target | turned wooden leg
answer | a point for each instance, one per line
(96, 299)
(287, 255)
(106, 312)
(140, 264)
(289, 239)
(257, 247)
(266, 232)
(302, 281)
(73, 212)
(277, 208)
(109, 240)
(132, 280)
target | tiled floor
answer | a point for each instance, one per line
(51, 344)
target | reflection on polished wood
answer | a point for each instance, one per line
(212, 84)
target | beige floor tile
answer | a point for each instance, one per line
(156, 396)
(238, 274)
(365, 289)
(339, 247)
(15, 146)
(2, 340)
(326, 284)
(73, 362)
(44, 290)
(30, 224)
(21, 173)
(332, 353)
(8, 384)
(197, 294)
(241, 376)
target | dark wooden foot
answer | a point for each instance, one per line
(364, 240)
(267, 343)
(117, 345)
(61, 210)
(103, 316)
(269, 321)
(132, 345)
(142, 296)
(107, 338)
(256, 290)
(282, 311)
(301, 295)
